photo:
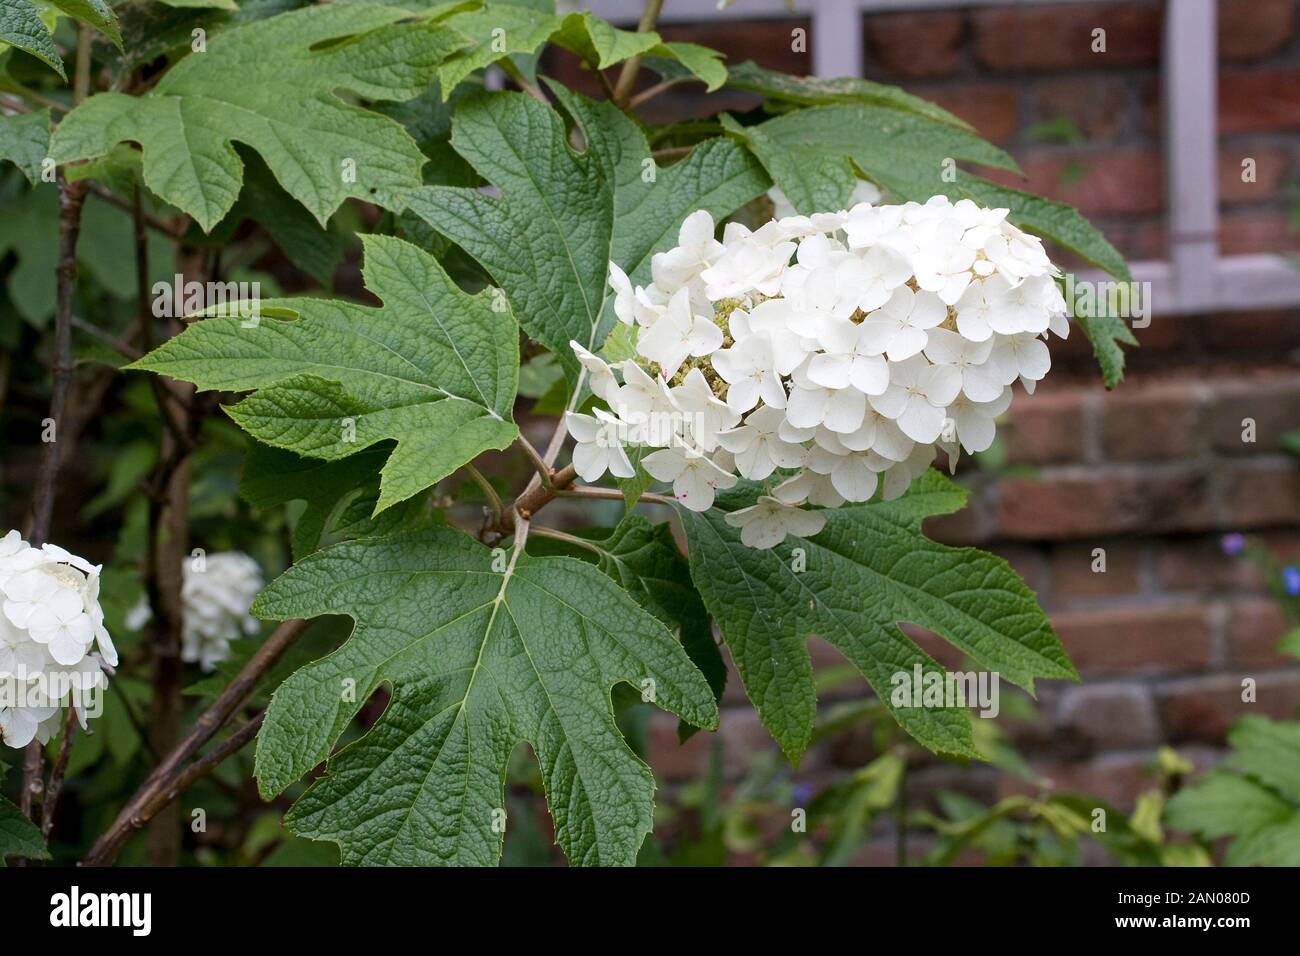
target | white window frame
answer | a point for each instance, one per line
(1195, 278)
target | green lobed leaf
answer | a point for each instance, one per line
(500, 30)
(868, 570)
(562, 216)
(815, 91)
(273, 85)
(29, 229)
(645, 560)
(1224, 804)
(434, 369)
(496, 31)
(1269, 751)
(273, 477)
(25, 141)
(21, 26)
(477, 660)
(808, 152)
(95, 13)
(18, 835)
(314, 249)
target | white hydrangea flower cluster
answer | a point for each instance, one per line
(216, 592)
(54, 648)
(827, 355)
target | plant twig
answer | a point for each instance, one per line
(535, 496)
(124, 349)
(161, 786)
(54, 787)
(543, 532)
(509, 68)
(543, 467)
(672, 152)
(485, 486)
(651, 92)
(150, 220)
(627, 78)
(210, 760)
(71, 198)
(591, 491)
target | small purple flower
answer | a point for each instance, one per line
(1232, 544)
(1291, 580)
(802, 793)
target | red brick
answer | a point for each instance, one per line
(1096, 105)
(1272, 403)
(1254, 627)
(916, 44)
(1203, 708)
(1145, 422)
(1013, 39)
(1123, 640)
(742, 737)
(1103, 504)
(1115, 779)
(1199, 564)
(1121, 183)
(1109, 716)
(1258, 101)
(1073, 576)
(1257, 495)
(1028, 562)
(768, 43)
(1047, 427)
(1252, 29)
(1270, 334)
(1269, 232)
(989, 107)
(970, 525)
(1270, 172)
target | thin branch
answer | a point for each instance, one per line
(150, 220)
(123, 349)
(509, 68)
(604, 82)
(33, 96)
(573, 539)
(134, 719)
(213, 758)
(627, 78)
(651, 92)
(485, 486)
(160, 787)
(543, 467)
(591, 491)
(672, 152)
(54, 787)
(536, 496)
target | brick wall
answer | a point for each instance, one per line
(1153, 473)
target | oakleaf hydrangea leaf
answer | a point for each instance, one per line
(95, 13)
(18, 835)
(645, 560)
(810, 152)
(434, 369)
(274, 477)
(499, 30)
(21, 26)
(818, 91)
(25, 141)
(866, 572)
(273, 85)
(477, 660)
(562, 215)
